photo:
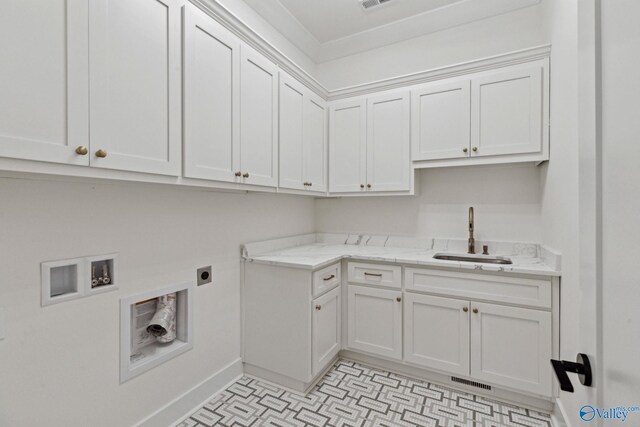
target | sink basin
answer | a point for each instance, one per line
(484, 259)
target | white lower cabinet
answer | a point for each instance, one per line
(436, 333)
(511, 346)
(375, 321)
(326, 329)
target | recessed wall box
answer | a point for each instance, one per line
(62, 280)
(140, 351)
(102, 274)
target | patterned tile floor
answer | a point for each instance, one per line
(353, 395)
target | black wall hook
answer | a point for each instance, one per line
(581, 366)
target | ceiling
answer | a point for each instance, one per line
(330, 29)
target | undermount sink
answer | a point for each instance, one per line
(485, 259)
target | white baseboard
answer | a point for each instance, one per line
(173, 412)
(559, 415)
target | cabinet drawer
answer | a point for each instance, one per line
(513, 290)
(375, 274)
(326, 279)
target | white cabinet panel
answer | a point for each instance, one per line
(436, 333)
(291, 118)
(327, 328)
(326, 279)
(135, 104)
(259, 119)
(507, 111)
(44, 97)
(511, 347)
(375, 274)
(347, 147)
(315, 143)
(441, 120)
(375, 321)
(388, 143)
(211, 98)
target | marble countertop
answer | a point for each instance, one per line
(316, 251)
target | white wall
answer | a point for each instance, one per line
(506, 200)
(59, 364)
(500, 34)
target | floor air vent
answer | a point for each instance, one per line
(470, 383)
(368, 4)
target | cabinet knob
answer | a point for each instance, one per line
(82, 150)
(318, 307)
(245, 175)
(475, 149)
(475, 310)
(368, 185)
(311, 184)
(465, 309)
(465, 149)
(361, 185)
(238, 173)
(101, 153)
(398, 299)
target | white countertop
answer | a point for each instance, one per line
(316, 251)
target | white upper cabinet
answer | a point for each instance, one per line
(135, 85)
(211, 98)
(507, 112)
(44, 95)
(369, 145)
(348, 146)
(388, 143)
(258, 119)
(441, 120)
(303, 137)
(315, 143)
(291, 133)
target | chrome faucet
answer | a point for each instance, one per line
(472, 242)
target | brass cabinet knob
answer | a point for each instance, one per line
(318, 307)
(361, 185)
(82, 150)
(101, 153)
(465, 149)
(475, 149)
(475, 310)
(465, 309)
(368, 185)
(245, 175)
(311, 184)
(398, 299)
(238, 173)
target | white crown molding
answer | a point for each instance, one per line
(253, 39)
(477, 65)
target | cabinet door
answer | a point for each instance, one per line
(441, 120)
(44, 96)
(292, 103)
(315, 143)
(135, 103)
(506, 112)
(375, 321)
(511, 347)
(347, 147)
(259, 119)
(211, 98)
(388, 143)
(326, 333)
(436, 333)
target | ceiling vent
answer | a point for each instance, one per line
(370, 4)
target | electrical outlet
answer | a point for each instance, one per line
(204, 275)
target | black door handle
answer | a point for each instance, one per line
(581, 366)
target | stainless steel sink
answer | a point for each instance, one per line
(484, 259)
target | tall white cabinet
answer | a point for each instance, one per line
(135, 85)
(303, 137)
(370, 144)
